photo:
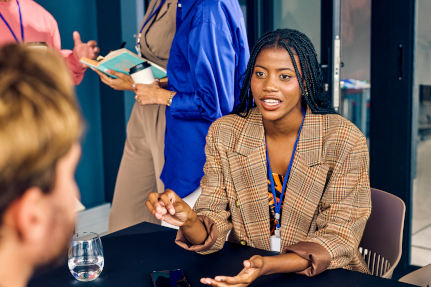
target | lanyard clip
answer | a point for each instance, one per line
(138, 50)
(277, 232)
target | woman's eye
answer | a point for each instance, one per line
(259, 74)
(285, 77)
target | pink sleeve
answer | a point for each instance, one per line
(75, 66)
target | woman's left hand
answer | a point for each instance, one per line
(123, 82)
(151, 94)
(253, 268)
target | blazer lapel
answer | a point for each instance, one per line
(306, 182)
(249, 173)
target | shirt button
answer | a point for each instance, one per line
(237, 203)
(243, 242)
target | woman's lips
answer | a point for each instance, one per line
(270, 104)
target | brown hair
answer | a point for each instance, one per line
(39, 119)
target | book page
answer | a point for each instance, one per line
(115, 53)
(89, 62)
(122, 60)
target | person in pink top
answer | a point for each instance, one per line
(26, 21)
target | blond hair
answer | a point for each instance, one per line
(39, 119)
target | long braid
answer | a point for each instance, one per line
(310, 82)
(246, 98)
(317, 98)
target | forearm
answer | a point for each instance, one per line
(153, 94)
(284, 263)
(194, 230)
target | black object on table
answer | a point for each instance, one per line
(133, 253)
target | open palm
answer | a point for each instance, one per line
(251, 271)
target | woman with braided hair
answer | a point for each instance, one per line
(283, 173)
(296, 43)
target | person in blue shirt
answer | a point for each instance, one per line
(209, 54)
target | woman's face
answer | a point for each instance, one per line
(274, 84)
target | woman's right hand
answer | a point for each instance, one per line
(169, 207)
(123, 82)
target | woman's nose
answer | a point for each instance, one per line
(270, 85)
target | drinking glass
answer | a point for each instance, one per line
(85, 258)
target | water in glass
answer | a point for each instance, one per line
(86, 256)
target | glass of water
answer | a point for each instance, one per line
(85, 258)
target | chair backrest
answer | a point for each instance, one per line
(381, 244)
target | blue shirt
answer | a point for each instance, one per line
(209, 54)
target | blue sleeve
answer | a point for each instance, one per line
(211, 57)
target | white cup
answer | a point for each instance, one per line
(142, 73)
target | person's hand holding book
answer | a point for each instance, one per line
(122, 82)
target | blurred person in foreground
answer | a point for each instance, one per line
(40, 128)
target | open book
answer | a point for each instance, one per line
(121, 60)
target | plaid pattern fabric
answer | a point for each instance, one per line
(327, 201)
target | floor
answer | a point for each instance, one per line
(96, 219)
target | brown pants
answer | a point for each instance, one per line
(140, 168)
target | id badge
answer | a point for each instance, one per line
(275, 243)
(138, 49)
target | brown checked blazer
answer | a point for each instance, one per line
(327, 201)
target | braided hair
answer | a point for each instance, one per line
(295, 42)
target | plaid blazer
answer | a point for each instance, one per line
(327, 201)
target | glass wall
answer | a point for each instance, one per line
(355, 58)
(301, 15)
(305, 16)
(421, 223)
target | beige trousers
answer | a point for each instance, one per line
(140, 168)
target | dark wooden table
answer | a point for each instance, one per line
(131, 254)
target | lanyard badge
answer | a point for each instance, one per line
(286, 177)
